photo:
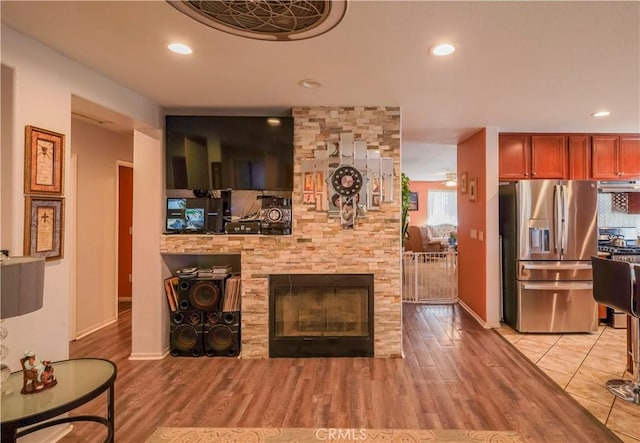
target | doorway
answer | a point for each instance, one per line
(100, 152)
(125, 235)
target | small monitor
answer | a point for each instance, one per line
(186, 214)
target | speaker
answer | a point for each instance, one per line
(202, 294)
(275, 215)
(186, 333)
(219, 211)
(222, 334)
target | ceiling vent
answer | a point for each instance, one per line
(275, 20)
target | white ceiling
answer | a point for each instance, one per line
(519, 66)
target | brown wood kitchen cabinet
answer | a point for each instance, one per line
(615, 157)
(532, 156)
(579, 157)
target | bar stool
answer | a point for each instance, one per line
(617, 284)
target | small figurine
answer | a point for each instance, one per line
(36, 376)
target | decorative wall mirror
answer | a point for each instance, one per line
(347, 180)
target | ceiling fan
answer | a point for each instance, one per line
(452, 179)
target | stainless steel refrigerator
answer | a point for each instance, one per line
(549, 233)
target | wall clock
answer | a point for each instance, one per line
(347, 181)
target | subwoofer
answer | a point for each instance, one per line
(202, 294)
(222, 334)
(186, 333)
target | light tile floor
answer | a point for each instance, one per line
(581, 364)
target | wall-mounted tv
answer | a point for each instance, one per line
(229, 152)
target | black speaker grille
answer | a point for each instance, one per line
(220, 338)
(205, 295)
(184, 338)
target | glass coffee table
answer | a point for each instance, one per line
(79, 381)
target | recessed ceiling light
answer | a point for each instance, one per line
(601, 114)
(442, 49)
(180, 48)
(310, 83)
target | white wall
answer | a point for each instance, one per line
(150, 331)
(42, 85)
(98, 151)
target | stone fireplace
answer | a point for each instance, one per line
(317, 244)
(321, 315)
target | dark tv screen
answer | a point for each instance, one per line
(228, 152)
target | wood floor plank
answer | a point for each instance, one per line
(455, 374)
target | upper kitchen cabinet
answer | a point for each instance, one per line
(579, 157)
(514, 156)
(616, 156)
(532, 156)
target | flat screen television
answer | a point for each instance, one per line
(187, 214)
(229, 152)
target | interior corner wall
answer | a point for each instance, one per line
(150, 318)
(419, 217)
(472, 250)
(492, 235)
(44, 82)
(98, 151)
(7, 85)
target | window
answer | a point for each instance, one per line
(442, 207)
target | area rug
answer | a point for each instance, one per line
(328, 435)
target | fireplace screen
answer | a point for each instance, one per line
(315, 315)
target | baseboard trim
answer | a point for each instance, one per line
(86, 332)
(148, 355)
(480, 320)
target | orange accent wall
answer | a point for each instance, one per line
(419, 217)
(472, 253)
(125, 222)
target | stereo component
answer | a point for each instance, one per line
(275, 215)
(186, 334)
(199, 326)
(219, 210)
(243, 227)
(203, 294)
(223, 337)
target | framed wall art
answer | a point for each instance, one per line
(464, 180)
(44, 227)
(473, 189)
(43, 162)
(413, 201)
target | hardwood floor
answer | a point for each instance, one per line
(455, 375)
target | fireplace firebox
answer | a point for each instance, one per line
(321, 315)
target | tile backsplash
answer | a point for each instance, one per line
(608, 218)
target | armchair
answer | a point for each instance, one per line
(419, 240)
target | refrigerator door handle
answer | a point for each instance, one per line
(558, 266)
(558, 286)
(565, 219)
(558, 217)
